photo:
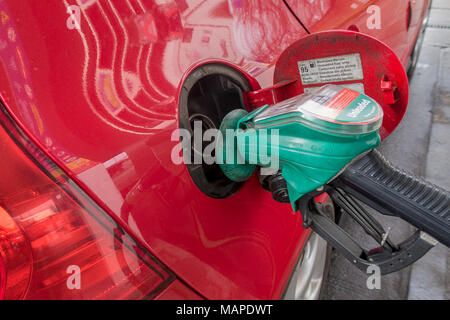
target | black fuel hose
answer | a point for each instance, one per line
(374, 181)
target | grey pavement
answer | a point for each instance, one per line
(420, 145)
(430, 277)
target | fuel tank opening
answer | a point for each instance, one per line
(209, 93)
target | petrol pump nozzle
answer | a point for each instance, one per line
(310, 138)
(322, 142)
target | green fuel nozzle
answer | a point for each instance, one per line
(320, 142)
(311, 138)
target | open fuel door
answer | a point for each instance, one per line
(348, 59)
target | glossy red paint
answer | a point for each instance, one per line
(178, 291)
(323, 15)
(55, 243)
(102, 101)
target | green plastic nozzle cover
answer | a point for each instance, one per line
(311, 138)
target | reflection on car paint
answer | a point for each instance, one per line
(15, 64)
(103, 100)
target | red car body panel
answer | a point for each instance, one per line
(394, 18)
(178, 291)
(102, 101)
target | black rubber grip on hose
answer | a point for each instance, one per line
(373, 180)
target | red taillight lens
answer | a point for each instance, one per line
(15, 259)
(55, 242)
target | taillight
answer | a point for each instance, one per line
(55, 242)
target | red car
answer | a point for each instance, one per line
(92, 205)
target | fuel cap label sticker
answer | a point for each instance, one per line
(331, 69)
